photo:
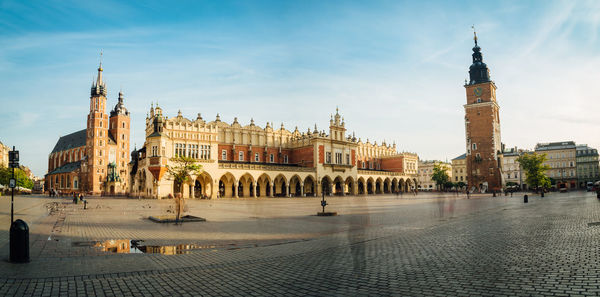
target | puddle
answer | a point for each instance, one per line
(126, 246)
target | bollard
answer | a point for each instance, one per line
(525, 199)
(84, 204)
(19, 242)
(542, 193)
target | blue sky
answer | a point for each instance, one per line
(395, 68)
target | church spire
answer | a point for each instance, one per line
(99, 88)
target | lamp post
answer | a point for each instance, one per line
(13, 159)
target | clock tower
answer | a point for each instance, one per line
(482, 127)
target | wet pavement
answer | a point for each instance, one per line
(382, 245)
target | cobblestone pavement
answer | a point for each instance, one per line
(383, 245)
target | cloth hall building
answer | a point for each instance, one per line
(251, 161)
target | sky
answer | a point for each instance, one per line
(395, 69)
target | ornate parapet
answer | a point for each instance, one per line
(265, 167)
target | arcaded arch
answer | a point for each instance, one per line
(349, 184)
(387, 185)
(280, 187)
(246, 186)
(296, 186)
(264, 184)
(338, 185)
(362, 188)
(203, 185)
(310, 186)
(227, 184)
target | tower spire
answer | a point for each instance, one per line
(474, 34)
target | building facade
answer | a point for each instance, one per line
(251, 161)
(513, 174)
(587, 165)
(424, 181)
(482, 126)
(459, 169)
(561, 157)
(93, 160)
(4, 155)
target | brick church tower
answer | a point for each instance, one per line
(97, 136)
(482, 127)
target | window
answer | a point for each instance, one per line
(256, 158)
(347, 159)
(223, 155)
(328, 157)
(241, 156)
(478, 100)
(123, 124)
(271, 158)
(474, 146)
(363, 164)
(154, 151)
(285, 159)
(338, 158)
(370, 165)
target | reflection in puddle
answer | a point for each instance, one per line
(126, 246)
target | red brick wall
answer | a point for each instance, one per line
(321, 154)
(228, 149)
(353, 157)
(303, 157)
(395, 164)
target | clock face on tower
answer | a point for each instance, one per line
(477, 91)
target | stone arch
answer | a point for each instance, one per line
(203, 185)
(326, 185)
(310, 186)
(264, 186)
(246, 185)
(387, 186)
(370, 186)
(402, 185)
(379, 186)
(280, 185)
(227, 184)
(395, 185)
(409, 184)
(338, 185)
(362, 188)
(349, 183)
(295, 187)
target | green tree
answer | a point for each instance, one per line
(461, 185)
(20, 176)
(533, 165)
(440, 175)
(181, 170)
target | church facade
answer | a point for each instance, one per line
(252, 161)
(93, 160)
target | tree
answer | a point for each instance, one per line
(440, 175)
(449, 185)
(533, 165)
(182, 169)
(180, 172)
(461, 185)
(22, 179)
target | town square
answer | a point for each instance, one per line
(294, 148)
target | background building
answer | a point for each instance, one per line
(482, 125)
(511, 169)
(587, 165)
(251, 161)
(4, 155)
(425, 183)
(459, 169)
(94, 159)
(561, 157)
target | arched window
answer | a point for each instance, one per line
(123, 124)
